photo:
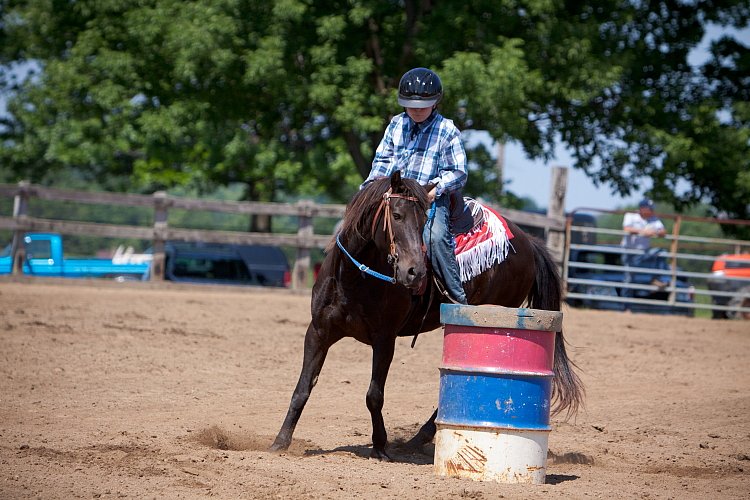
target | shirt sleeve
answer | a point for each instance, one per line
(385, 156)
(629, 219)
(656, 224)
(452, 173)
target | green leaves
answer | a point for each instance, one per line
(291, 97)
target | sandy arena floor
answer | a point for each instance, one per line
(130, 390)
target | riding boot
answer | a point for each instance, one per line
(440, 244)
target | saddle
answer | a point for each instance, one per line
(466, 214)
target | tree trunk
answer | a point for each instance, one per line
(259, 223)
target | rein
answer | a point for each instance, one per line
(385, 208)
(363, 267)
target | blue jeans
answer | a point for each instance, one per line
(440, 246)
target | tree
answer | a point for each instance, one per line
(292, 96)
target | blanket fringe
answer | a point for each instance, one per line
(482, 256)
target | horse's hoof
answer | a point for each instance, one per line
(379, 455)
(418, 441)
(279, 446)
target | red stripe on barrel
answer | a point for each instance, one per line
(504, 350)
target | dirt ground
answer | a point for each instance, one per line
(131, 390)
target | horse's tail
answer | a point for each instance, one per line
(546, 294)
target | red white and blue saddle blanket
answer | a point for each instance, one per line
(487, 242)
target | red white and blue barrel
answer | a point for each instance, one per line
(495, 392)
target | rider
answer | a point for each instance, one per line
(427, 147)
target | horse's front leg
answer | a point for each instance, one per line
(315, 354)
(382, 355)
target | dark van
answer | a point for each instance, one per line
(226, 264)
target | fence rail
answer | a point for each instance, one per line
(303, 241)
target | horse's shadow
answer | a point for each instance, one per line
(559, 478)
(399, 452)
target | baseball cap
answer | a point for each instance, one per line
(646, 203)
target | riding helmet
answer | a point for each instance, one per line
(419, 88)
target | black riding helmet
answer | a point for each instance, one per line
(419, 88)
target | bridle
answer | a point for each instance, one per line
(385, 209)
(385, 206)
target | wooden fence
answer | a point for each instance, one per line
(304, 240)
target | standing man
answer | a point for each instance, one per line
(427, 147)
(640, 228)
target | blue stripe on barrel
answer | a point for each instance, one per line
(496, 400)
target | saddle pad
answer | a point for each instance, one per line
(484, 245)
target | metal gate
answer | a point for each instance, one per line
(680, 274)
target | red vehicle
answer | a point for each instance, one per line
(731, 273)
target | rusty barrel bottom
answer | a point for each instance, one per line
(491, 454)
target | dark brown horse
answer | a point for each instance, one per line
(370, 288)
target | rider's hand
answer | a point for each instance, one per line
(431, 194)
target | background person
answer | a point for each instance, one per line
(640, 227)
(427, 147)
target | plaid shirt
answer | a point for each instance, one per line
(430, 152)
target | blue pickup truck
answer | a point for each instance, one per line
(44, 257)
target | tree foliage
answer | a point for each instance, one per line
(292, 96)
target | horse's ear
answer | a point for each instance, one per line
(396, 180)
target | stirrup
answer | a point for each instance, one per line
(441, 288)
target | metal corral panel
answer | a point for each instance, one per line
(510, 401)
(491, 455)
(505, 350)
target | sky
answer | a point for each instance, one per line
(531, 179)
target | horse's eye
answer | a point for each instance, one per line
(397, 216)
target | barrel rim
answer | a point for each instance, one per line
(488, 426)
(501, 317)
(495, 371)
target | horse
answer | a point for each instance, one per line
(381, 232)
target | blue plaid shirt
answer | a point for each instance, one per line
(429, 152)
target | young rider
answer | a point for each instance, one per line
(427, 147)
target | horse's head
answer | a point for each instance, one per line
(391, 212)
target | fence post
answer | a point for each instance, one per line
(160, 226)
(304, 233)
(556, 209)
(673, 262)
(20, 211)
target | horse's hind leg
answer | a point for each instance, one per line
(425, 434)
(315, 355)
(382, 355)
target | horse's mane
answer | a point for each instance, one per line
(357, 222)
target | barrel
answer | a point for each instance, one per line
(495, 391)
